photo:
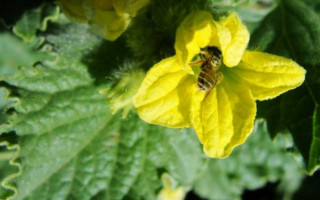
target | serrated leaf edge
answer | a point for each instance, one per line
(16, 101)
(54, 17)
(5, 183)
(43, 26)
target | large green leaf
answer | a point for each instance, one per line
(251, 166)
(293, 30)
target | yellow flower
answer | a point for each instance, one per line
(222, 115)
(109, 18)
(170, 191)
(129, 6)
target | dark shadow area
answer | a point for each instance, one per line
(161, 171)
(150, 36)
(310, 188)
(268, 192)
(13, 90)
(10, 137)
(11, 10)
(106, 59)
(192, 196)
(3, 27)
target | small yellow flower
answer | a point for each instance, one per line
(109, 18)
(222, 116)
(170, 191)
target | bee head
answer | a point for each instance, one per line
(214, 51)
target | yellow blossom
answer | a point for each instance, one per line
(170, 191)
(223, 115)
(109, 18)
(129, 6)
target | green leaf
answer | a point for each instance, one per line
(78, 164)
(146, 184)
(83, 147)
(71, 41)
(14, 54)
(315, 145)
(251, 166)
(64, 127)
(178, 151)
(35, 19)
(168, 150)
(292, 30)
(130, 158)
(252, 13)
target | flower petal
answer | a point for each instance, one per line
(98, 4)
(73, 10)
(129, 6)
(196, 109)
(267, 75)
(108, 24)
(198, 30)
(233, 52)
(164, 95)
(172, 194)
(103, 4)
(170, 191)
(225, 118)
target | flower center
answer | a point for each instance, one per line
(209, 62)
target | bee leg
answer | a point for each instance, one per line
(219, 77)
(197, 62)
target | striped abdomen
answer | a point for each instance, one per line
(206, 78)
(210, 75)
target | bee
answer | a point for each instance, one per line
(210, 75)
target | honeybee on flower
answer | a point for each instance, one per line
(217, 101)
